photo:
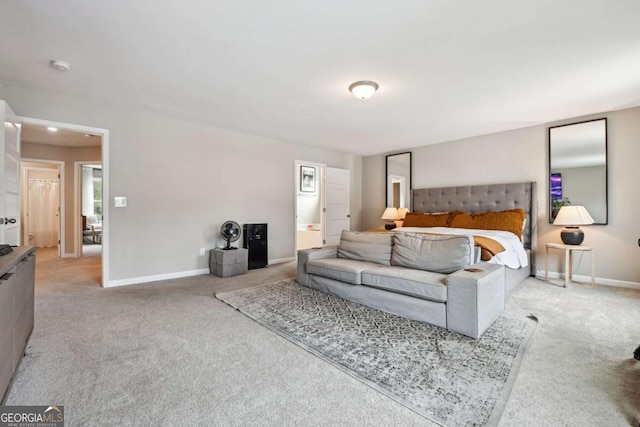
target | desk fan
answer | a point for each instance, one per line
(230, 231)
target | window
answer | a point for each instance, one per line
(92, 191)
(97, 196)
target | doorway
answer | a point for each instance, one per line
(322, 204)
(41, 206)
(49, 141)
(309, 205)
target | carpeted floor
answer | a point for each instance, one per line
(169, 353)
(446, 377)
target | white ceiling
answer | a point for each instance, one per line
(447, 69)
(61, 138)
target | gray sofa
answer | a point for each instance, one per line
(423, 277)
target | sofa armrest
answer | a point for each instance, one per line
(475, 299)
(306, 255)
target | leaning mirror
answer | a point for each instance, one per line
(578, 168)
(398, 173)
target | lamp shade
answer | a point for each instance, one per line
(573, 215)
(363, 89)
(390, 214)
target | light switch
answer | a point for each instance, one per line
(120, 202)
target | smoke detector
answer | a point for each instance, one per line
(60, 65)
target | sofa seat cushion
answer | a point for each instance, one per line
(345, 270)
(416, 283)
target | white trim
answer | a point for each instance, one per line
(177, 275)
(62, 126)
(587, 280)
(155, 278)
(281, 260)
(62, 202)
(69, 255)
(104, 133)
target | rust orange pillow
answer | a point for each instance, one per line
(510, 220)
(413, 219)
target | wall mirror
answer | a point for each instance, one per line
(398, 173)
(578, 168)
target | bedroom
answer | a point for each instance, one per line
(174, 165)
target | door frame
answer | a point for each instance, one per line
(10, 187)
(104, 133)
(61, 196)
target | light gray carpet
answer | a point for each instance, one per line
(169, 353)
(447, 377)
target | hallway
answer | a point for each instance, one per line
(53, 272)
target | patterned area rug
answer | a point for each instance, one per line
(448, 378)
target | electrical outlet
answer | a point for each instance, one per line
(203, 251)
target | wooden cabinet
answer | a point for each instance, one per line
(17, 280)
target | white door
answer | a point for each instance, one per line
(41, 197)
(337, 199)
(10, 177)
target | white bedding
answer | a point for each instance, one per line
(514, 255)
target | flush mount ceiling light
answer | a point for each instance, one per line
(52, 129)
(363, 89)
(60, 65)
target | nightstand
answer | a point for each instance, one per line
(568, 261)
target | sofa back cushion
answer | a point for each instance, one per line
(432, 252)
(372, 247)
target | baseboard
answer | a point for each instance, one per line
(587, 279)
(70, 255)
(155, 278)
(281, 260)
(178, 275)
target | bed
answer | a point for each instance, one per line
(474, 199)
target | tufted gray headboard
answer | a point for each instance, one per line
(483, 198)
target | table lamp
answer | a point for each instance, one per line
(390, 215)
(571, 217)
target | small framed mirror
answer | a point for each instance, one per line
(398, 175)
(578, 168)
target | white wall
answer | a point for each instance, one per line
(521, 155)
(182, 181)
